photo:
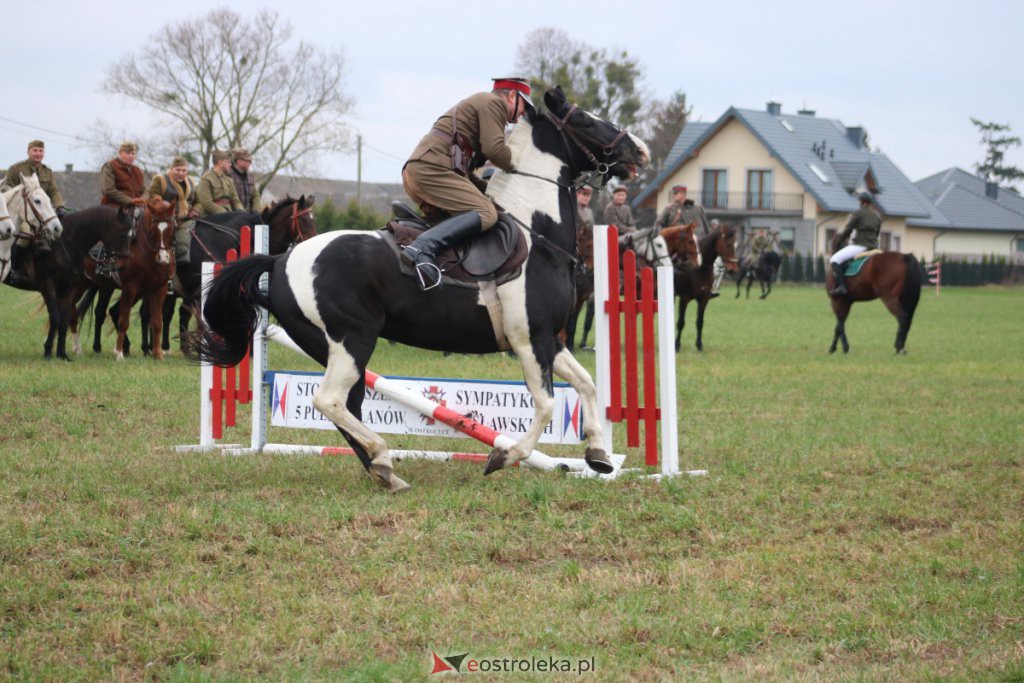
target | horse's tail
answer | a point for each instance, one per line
(911, 286)
(85, 303)
(231, 312)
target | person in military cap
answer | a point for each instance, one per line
(617, 212)
(33, 165)
(761, 244)
(682, 211)
(245, 183)
(864, 225)
(121, 186)
(439, 173)
(583, 210)
(216, 192)
(121, 181)
(178, 188)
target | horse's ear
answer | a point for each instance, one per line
(265, 214)
(310, 201)
(555, 99)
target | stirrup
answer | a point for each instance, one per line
(423, 281)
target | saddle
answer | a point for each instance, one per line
(496, 255)
(853, 266)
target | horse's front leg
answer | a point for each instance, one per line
(156, 321)
(124, 304)
(568, 368)
(681, 323)
(50, 300)
(701, 305)
(539, 382)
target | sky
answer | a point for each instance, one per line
(912, 73)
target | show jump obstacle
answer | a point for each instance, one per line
(620, 367)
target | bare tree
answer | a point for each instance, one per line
(229, 81)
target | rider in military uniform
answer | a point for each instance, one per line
(761, 244)
(618, 213)
(179, 189)
(439, 173)
(864, 224)
(682, 211)
(32, 165)
(245, 183)
(216, 191)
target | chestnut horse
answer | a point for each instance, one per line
(696, 282)
(894, 278)
(145, 271)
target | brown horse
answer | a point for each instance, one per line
(696, 282)
(894, 278)
(145, 271)
(682, 243)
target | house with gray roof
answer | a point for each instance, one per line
(796, 174)
(981, 217)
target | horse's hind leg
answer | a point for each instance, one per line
(569, 369)
(903, 321)
(165, 343)
(588, 323)
(340, 399)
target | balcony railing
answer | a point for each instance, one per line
(772, 202)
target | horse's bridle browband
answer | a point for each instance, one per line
(42, 222)
(567, 131)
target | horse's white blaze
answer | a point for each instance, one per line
(164, 254)
(299, 269)
(522, 195)
(696, 244)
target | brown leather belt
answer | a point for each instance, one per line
(222, 202)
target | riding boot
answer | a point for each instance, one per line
(423, 250)
(17, 277)
(838, 270)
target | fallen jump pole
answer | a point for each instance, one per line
(396, 391)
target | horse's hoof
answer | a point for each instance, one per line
(598, 461)
(901, 352)
(385, 476)
(496, 460)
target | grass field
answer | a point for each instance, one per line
(862, 519)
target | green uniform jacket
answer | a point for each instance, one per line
(619, 216)
(867, 225)
(216, 193)
(760, 245)
(43, 173)
(692, 213)
(481, 118)
(182, 196)
(670, 215)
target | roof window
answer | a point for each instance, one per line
(818, 172)
(786, 124)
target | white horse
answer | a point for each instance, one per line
(6, 238)
(32, 211)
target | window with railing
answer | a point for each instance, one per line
(759, 189)
(714, 192)
(1018, 244)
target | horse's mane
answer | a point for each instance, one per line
(278, 206)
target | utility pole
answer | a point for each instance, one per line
(359, 170)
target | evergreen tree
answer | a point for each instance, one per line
(994, 168)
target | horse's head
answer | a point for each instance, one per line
(591, 143)
(291, 220)
(682, 244)
(157, 226)
(725, 246)
(33, 206)
(6, 238)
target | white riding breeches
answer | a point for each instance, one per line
(719, 273)
(847, 253)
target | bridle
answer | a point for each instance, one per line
(41, 222)
(601, 169)
(297, 235)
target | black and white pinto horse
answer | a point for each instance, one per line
(337, 293)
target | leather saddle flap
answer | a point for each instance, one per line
(488, 256)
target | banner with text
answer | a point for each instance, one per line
(506, 407)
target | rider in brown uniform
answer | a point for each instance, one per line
(121, 185)
(439, 172)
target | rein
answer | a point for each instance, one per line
(39, 217)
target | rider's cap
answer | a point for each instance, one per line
(517, 83)
(865, 197)
(715, 221)
(36, 143)
(220, 155)
(678, 188)
(619, 189)
(178, 161)
(128, 147)
(240, 154)
(584, 190)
